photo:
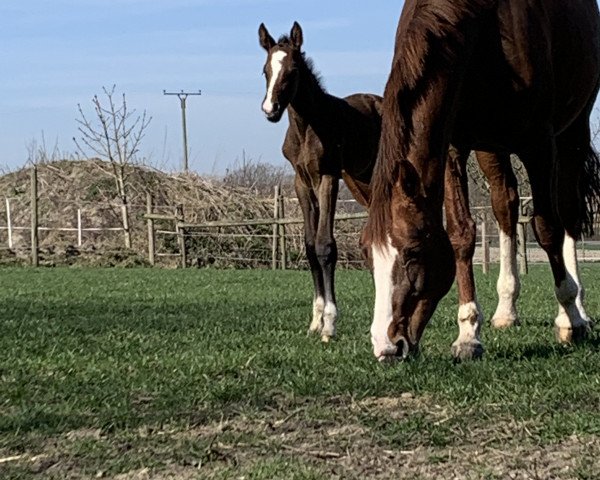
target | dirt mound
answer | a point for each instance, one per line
(66, 187)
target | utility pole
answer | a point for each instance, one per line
(182, 99)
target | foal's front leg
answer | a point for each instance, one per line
(326, 250)
(310, 211)
(461, 231)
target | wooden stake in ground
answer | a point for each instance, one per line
(35, 261)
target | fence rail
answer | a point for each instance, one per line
(275, 241)
(185, 230)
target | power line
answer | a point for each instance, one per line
(182, 99)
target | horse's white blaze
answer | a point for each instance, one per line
(570, 292)
(384, 259)
(276, 66)
(470, 319)
(509, 285)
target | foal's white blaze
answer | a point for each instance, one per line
(570, 292)
(384, 259)
(509, 285)
(276, 66)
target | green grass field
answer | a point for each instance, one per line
(210, 374)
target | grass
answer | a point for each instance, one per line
(210, 374)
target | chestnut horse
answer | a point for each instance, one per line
(493, 76)
(328, 138)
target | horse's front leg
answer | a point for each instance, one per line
(326, 250)
(461, 231)
(310, 211)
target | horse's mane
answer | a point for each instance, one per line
(430, 36)
(284, 40)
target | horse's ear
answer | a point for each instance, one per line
(296, 35)
(266, 40)
(410, 181)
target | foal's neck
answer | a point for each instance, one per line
(307, 105)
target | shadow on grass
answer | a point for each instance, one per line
(545, 349)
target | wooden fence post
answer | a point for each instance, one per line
(181, 235)
(9, 224)
(485, 246)
(282, 242)
(35, 261)
(522, 241)
(275, 228)
(79, 231)
(151, 234)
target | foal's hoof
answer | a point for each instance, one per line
(327, 334)
(505, 322)
(472, 350)
(314, 329)
(573, 335)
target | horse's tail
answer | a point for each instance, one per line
(590, 188)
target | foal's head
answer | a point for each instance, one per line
(281, 70)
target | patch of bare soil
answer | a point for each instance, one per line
(338, 440)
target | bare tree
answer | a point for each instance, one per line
(114, 135)
(257, 175)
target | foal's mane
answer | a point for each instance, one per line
(284, 40)
(430, 36)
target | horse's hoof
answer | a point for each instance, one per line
(472, 350)
(389, 359)
(505, 322)
(572, 335)
(326, 338)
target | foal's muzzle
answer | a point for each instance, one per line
(275, 114)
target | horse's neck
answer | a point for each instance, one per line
(308, 107)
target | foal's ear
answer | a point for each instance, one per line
(296, 35)
(265, 38)
(410, 181)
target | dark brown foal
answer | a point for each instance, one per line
(328, 138)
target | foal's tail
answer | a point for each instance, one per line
(590, 188)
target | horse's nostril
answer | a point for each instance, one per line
(276, 107)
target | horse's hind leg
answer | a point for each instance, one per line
(505, 203)
(572, 145)
(326, 250)
(310, 211)
(461, 231)
(550, 234)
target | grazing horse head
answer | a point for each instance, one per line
(280, 70)
(412, 262)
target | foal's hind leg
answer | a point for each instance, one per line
(310, 211)
(326, 250)
(505, 203)
(461, 231)
(572, 322)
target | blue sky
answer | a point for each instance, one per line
(58, 53)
